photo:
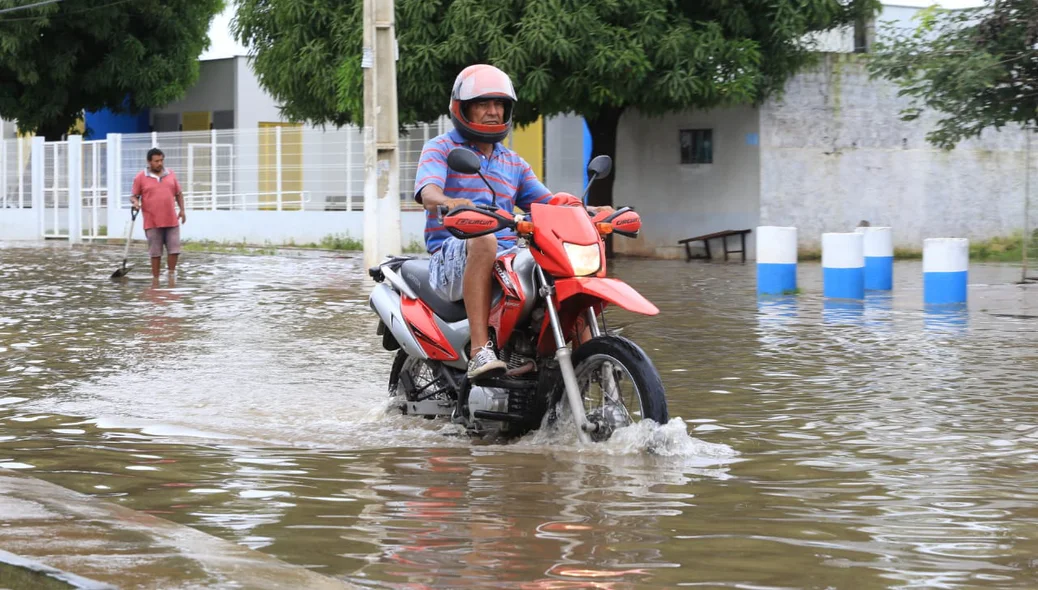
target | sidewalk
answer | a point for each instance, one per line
(96, 544)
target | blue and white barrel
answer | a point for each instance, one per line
(945, 267)
(776, 260)
(879, 258)
(843, 265)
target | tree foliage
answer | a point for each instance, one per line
(58, 60)
(976, 68)
(593, 58)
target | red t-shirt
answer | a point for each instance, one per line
(158, 196)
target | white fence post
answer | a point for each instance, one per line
(154, 139)
(21, 173)
(38, 155)
(75, 189)
(114, 151)
(277, 162)
(3, 169)
(212, 167)
(349, 166)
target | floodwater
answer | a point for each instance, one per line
(811, 445)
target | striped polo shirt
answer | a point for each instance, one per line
(514, 182)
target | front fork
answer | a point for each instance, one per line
(565, 359)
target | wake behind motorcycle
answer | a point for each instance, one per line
(547, 319)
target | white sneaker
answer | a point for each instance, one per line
(485, 363)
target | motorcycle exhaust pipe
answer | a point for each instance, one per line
(385, 302)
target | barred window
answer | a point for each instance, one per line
(697, 146)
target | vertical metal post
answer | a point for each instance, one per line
(75, 189)
(21, 173)
(1026, 242)
(54, 188)
(349, 169)
(113, 149)
(277, 164)
(3, 168)
(154, 139)
(95, 184)
(38, 153)
(212, 167)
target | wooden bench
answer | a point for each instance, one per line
(706, 243)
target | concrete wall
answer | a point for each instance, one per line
(19, 224)
(834, 152)
(251, 103)
(274, 227)
(677, 200)
(564, 154)
(215, 90)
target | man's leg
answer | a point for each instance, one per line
(479, 264)
(156, 237)
(172, 247)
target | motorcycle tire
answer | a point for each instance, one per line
(637, 364)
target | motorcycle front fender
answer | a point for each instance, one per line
(612, 291)
(575, 295)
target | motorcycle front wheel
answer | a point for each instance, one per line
(618, 384)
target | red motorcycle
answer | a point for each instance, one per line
(547, 320)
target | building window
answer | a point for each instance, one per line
(697, 146)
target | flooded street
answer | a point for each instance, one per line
(811, 444)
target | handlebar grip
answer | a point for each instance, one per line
(442, 210)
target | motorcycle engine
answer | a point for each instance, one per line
(488, 399)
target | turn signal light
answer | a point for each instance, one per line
(524, 227)
(604, 229)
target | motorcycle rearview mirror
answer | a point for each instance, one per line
(463, 160)
(598, 167)
(466, 161)
(601, 166)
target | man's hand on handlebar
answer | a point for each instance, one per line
(453, 204)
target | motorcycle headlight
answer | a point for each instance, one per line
(586, 260)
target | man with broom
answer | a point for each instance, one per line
(155, 189)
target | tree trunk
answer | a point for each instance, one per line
(603, 142)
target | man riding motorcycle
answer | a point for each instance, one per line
(481, 105)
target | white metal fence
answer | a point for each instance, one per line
(281, 167)
(15, 173)
(277, 168)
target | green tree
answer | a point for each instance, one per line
(58, 60)
(593, 58)
(975, 68)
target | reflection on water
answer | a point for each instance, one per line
(814, 443)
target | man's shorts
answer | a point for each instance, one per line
(159, 236)
(447, 267)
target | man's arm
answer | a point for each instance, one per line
(431, 177)
(180, 203)
(433, 197)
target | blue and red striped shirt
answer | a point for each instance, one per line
(514, 182)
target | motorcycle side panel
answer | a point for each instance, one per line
(458, 335)
(422, 322)
(514, 273)
(386, 303)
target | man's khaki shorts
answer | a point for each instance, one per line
(159, 236)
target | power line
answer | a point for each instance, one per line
(58, 15)
(28, 6)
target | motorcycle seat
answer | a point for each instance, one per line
(416, 275)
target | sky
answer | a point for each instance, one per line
(223, 45)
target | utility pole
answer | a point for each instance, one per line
(381, 158)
